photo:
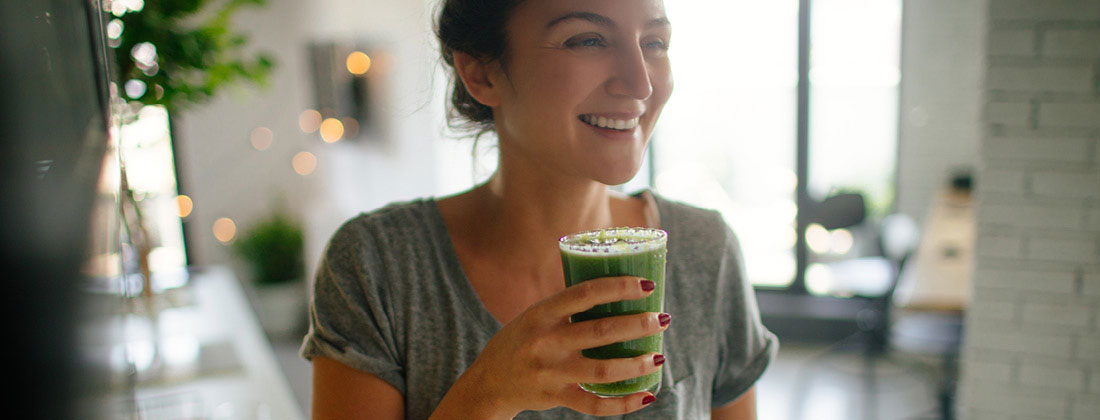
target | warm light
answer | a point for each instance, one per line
(358, 63)
(262, 137)
(818, 238)
(351, 127)
(841, 241)
(185, 205)
(225, 229)
(331, 130)
(304, 163)
(309, 121)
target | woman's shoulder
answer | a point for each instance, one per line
(399, 220)
(704, 226)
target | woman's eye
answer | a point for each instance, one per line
(657, 45)
(585, 42)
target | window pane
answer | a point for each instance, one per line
(854, 75)
(726, 139)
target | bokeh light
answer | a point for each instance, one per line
(114, 29)
(351, 127)
(225, 230)
(261, 138)
(841, 241)
(304, 163)
(185, 205)
(134, 88)
(358, 63)
(819, 279)
(332, 130)
(818, 238)
(309, 121)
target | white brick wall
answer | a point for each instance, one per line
(1072, 43)
(1032, 343)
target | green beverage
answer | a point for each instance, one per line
(615, 252)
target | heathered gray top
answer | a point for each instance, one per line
(391, 299)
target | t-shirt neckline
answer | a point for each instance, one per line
(461, 284)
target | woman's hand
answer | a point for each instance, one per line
(535, 362)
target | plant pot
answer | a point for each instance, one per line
(282, 309)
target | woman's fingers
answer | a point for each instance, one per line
(585, 370)
(583, 296)
(615, 329)
(588, 403)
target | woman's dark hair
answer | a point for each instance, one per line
(474, 27)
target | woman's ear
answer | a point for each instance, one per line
(475, 75)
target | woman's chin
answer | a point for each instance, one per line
(616, 177)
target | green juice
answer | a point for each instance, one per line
(619, 252)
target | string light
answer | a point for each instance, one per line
(332, 130)
(304, 163)
(225, 230)
(261, 138)
(309, 120)
(185, 205)
(351, 127)
(358, 63)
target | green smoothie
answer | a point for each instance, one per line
(619, 252)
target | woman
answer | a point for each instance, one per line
(456, 308)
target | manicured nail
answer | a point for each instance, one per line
(664, 319)
(658, 360)
(648, 285)
(649, 399)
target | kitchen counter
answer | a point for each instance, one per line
(190, 352)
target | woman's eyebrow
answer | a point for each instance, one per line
(588, 16)
(600, 19)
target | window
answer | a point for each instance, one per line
(728, 138)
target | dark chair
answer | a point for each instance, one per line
(896, 239)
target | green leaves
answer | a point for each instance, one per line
(273, 248)
(197, 51)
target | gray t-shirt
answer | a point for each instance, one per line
(391, 299)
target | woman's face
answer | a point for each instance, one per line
(583, 84)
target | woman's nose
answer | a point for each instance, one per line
(631, 77)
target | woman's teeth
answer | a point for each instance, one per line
(611, 123)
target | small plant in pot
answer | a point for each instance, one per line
(273, 250)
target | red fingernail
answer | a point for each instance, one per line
(658, 360)
(648, 285)
(648, 399)
(664, 319)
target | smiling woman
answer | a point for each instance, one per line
(456, 308)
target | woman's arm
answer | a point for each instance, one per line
(743, 408)
(340, 392)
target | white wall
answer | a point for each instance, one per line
(941, 104)
(226, 177)
(1032, 343)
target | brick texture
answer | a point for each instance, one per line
(1074, 79)
(1012, 42)
(1032, 346)
(1066, 43)
(1063, 378)
(1070, 114)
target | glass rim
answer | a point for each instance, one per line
(650, 239)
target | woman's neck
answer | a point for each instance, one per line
(541, 206)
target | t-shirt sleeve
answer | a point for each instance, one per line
(748, 347)
(349, 316)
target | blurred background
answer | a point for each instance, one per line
(915, 184)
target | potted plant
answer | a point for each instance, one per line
(273, 251)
